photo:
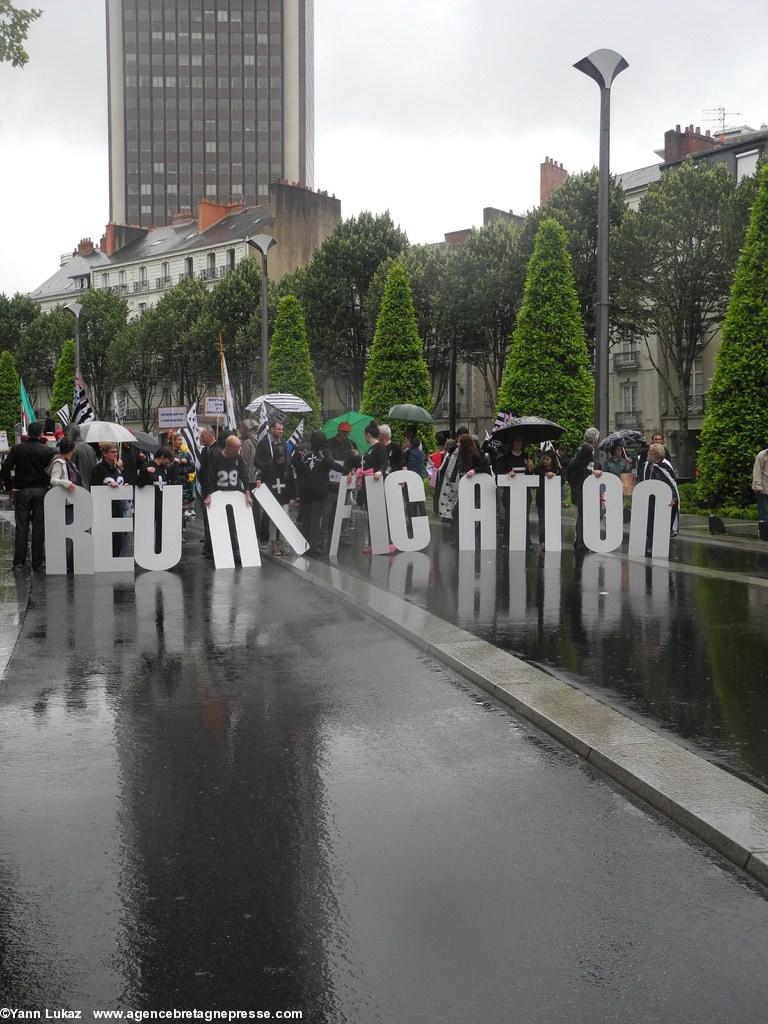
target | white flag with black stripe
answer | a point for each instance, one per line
(63, 415)
(191, 435)
(82, 411)
(295, 439)
(263, 428)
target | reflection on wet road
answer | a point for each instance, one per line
(224, 790)
(682, 647)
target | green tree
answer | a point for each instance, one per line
(428, 268)
(14, 26)
(334, 291)
(190, 336)
(574, 206)
(679, 250)
(235, 305)
(63, 390)
(103, 317)
(736, 421)
(38, 350)
(10, 409)
(547, 372)
(397, 371)
(16, 315)
(290, 364)
(481, 298)
(137, 358)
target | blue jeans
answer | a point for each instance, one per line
(762, 506)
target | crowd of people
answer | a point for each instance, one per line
(305, 479)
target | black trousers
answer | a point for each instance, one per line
(28, 506)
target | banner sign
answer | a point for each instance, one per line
(4, 446)
(171, 416)
(214, 407)
(156, 521)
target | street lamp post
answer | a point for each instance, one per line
(602, 66)
(76, 309)
(263, 243)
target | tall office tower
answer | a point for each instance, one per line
(207, 99)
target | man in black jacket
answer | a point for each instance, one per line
(24, 476)
(582, 465)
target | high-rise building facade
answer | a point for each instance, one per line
(207, 99)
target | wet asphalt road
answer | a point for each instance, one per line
(221, 790)
(682, 647)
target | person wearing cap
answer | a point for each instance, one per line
(346, 458)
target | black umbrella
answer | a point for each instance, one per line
(532, 429)
(626, 438)
(146, 442)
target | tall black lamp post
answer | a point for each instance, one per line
(603, 66)
(263, 243)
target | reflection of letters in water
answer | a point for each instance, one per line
(86, 540)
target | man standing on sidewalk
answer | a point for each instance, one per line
(27, 462)
(760, 487)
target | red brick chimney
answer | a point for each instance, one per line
(552, 176)
(85, 248)
(209, 212)
(678, 145)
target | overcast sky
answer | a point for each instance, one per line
(432, 109)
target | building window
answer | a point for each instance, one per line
(231, 259)
(142, 275)
(122, 278)
(629, 396)
(105, 280)
(210, 190)
(188, 267)
(746, 164)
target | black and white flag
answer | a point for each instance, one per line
(63, 415)
(191, 434)
(82, 412)
(295, 439)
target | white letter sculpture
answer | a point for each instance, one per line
(662, 518)
(481, 484)
(58, 531)
(106, 523)
(614, 512)
(245, 530)
(144, 527)
(400, 486)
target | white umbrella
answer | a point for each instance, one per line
(102, 432)
(283, 403)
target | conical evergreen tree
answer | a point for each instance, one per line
(64, 378)
(397, 370)
(736, 422)
(10, 401)
(547, 369)
(290, 364)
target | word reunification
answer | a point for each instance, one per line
(156, 520)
